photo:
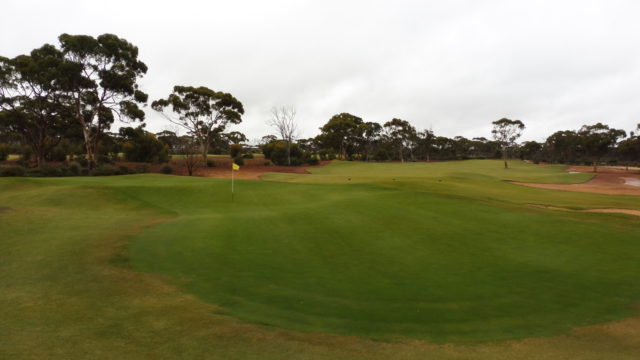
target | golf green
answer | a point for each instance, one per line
(448, 252)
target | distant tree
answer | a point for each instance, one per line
(100, 83)
(170, 139)
(598, 140)
(529, 150)
(30, 99)
(563, 146)
(402, 135)
(342, 132)
(506, 132)
(426, 140)
(628, 150)
(371, 132)
(204, 113)
(284, 120)
(143, 146)
(235, 137)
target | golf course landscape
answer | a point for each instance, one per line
(443, 260)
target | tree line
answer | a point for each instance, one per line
(61, 101)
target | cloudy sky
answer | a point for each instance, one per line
(452, 66)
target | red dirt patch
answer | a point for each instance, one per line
(253, 169)
(609, 180)
(608, 211)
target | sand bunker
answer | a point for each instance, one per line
(609, 180)
(631, 181)
(618, 211)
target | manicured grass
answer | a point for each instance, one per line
(446, 252)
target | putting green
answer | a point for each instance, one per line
(445, 251)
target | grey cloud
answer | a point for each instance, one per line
(453, 66)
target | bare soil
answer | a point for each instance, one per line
(609, 180)
(253, 169)
(608, 210)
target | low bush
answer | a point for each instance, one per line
(123, 170)
(239, 160)
(11, 171)
(4, 152)
(313, 160)
(166, 169)
(142, 169)
(248, 156)
(211, 163)
(104, 170)
(74, 169)
(44, 171)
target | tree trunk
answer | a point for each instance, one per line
(91, 161)
(504, 157)
(288, 153)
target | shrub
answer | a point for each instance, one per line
(104, 170)
(143, 146)
(123, 170)
(142, 169)
(4, 152)
(211, 163)
(313, 160)
(276, 151)
(267, 163)
(11, 171)
(166, 169)
(82, 160)
(248, 156)
(44, 171)
(74, 169)
(239, 160)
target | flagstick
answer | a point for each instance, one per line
(232, 182)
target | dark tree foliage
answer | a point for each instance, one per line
(30, 101)
(142, 146)
(402, 135)
(101, 84)
(341, 133)
(598, 140)
(204, 113)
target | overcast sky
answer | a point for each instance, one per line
(453, 66)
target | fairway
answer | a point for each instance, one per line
(445, 252)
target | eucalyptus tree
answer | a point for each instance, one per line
(598, 140)
(506, 132)
(402, 135)
(342, 132)
(100, 79)
(371, 132)
(30, 103)
(426, 140)
(203, 112)
(563, 146)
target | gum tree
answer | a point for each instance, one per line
(598, 140)
(30, 99)
(506, 132)
(101, 84)
(203, 112)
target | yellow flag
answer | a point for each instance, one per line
(235, 166)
